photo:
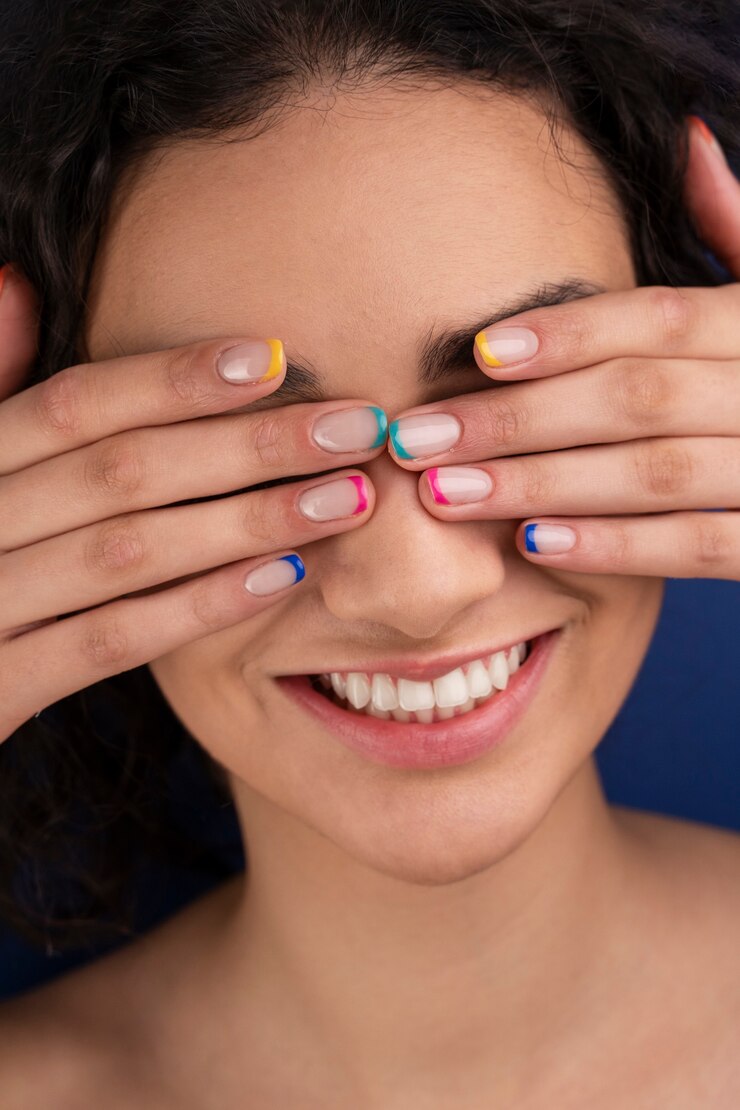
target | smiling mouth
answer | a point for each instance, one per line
(455, 694)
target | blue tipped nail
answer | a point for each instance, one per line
(398, 447)
(529, 540)
(382, 420)
(297, 563)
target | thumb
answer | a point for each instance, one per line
(712, 195)
(18, 330)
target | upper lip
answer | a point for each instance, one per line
(426, 671)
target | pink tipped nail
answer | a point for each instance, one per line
(361, 493)
(437, 494)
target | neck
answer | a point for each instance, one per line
(387, 981)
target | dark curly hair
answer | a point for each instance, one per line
(90, 789)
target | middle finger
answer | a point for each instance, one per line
(623, 399)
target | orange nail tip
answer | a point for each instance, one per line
(277, 360)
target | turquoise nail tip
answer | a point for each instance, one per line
(398, 447)
(529, 538)
(297, 563)
(382, 421)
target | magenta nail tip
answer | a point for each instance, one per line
(432, 476)
(362, 501)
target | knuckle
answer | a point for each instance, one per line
(104, 644)
(260, 518)
(674, 312)
(663, 470)
(538, 485)
(114, 469)
(206, 607)
(116, 545)
(505, 423)
(641, 391)
(267, 440)
(187, 386)
(620, 546)
(59, 403)
(710, 541)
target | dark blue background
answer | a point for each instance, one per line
(674, 748)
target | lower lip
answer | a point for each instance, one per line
(441, 744)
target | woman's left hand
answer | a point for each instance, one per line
(649, 378)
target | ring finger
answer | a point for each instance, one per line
(642, 476)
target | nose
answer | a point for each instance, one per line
(407, 570)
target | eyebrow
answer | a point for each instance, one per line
(447, 351)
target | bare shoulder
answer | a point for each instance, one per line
(55, 1041)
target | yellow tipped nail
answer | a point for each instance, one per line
(277, 360)
(486, 353)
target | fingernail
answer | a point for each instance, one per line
(256, 361)
(333, 500)
(414, 437)
(503, 346)
(548, 539)
(275, 575)
(360, 429)
(454, 485)
(709, 137)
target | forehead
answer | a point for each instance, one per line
(352, 226)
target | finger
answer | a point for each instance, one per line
(85, 403)
(131, 553)
(42, 666)
(619, 400)
(147, 467)
(646, 476)
(653, 321)
(18, 330)
(676, 545)
(713, 195)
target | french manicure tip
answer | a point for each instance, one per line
(433, 479)
(362, 501)
(297, 563)
(382, 421)
(398, 447)
(529, 538)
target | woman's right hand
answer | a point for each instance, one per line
(88, 461)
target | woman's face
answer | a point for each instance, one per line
(352, 230)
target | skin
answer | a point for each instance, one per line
(488, 934)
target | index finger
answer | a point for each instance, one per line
(91, 401)
(654, 321)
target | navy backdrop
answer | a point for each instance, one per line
(674, 748)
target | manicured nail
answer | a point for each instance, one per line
(454, 485)
(708, 136)
(333, 500)
(256, 361)
(504, 346)
(415, 437)
(360, 429)
(548, 539)
(275, 575)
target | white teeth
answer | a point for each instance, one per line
(478, 682)
(382, 713)
(415, 695)
(446, 697)
(451, 689)
(383, 692)
(358, 689)
(338, 684)
(498, 670)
